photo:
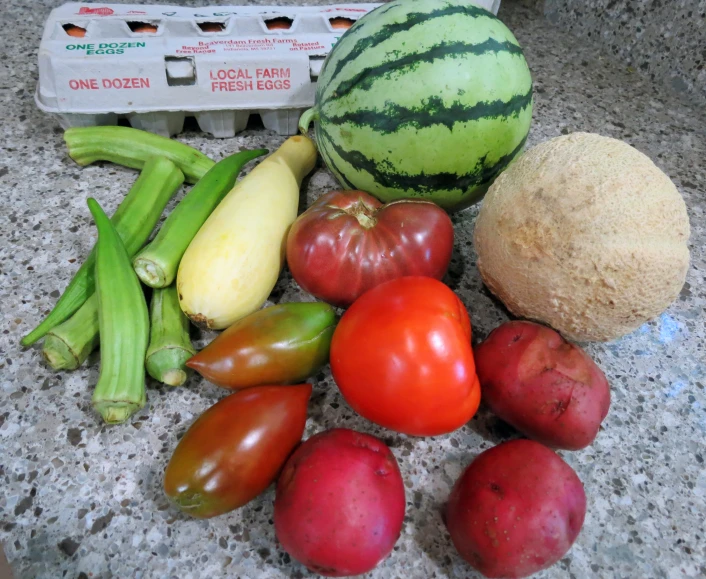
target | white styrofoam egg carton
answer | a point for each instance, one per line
(156, 65)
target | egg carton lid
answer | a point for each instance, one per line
(131, 59)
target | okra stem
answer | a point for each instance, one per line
(68, 345)
(134, 219)
(132, 147)
(124, 326)
(170, 346)
(157, 263)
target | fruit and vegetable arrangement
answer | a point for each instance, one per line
(421, 107)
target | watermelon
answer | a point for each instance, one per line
(423, 98)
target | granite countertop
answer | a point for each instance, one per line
(81, 499)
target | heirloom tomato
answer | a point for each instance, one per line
(348, 242)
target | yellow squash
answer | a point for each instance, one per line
(231, 266)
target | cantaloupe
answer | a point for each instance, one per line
(585, 234)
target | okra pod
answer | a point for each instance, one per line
(67, 345)
(170, 346)
(134, 219)
(157, 263)
(132, 147)
(124, 325)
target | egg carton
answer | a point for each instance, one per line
(157, 65)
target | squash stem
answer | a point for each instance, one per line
(307, 117)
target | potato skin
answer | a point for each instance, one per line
(340, 503)
(548, 389)
(515, 510)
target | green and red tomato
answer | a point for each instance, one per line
(235, 449)
(281, 344)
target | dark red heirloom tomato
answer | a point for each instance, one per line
(235, 449)
(401, 356)
(348, 242)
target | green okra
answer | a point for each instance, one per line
(124, 325)
(134, 219)
(67, 345)
(170, 346)
(157, 263)
(132, 147)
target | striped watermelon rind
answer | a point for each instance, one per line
(423, 98)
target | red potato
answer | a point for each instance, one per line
(516, 510)
(340, 503)
(548, 389)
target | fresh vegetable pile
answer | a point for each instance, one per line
(401, 351)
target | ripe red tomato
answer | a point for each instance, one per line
(348, 242)
(402, 358)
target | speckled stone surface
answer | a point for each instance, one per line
(663, 39)
(80, 499)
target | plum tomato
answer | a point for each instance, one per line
(281, 344)
(235, 449)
